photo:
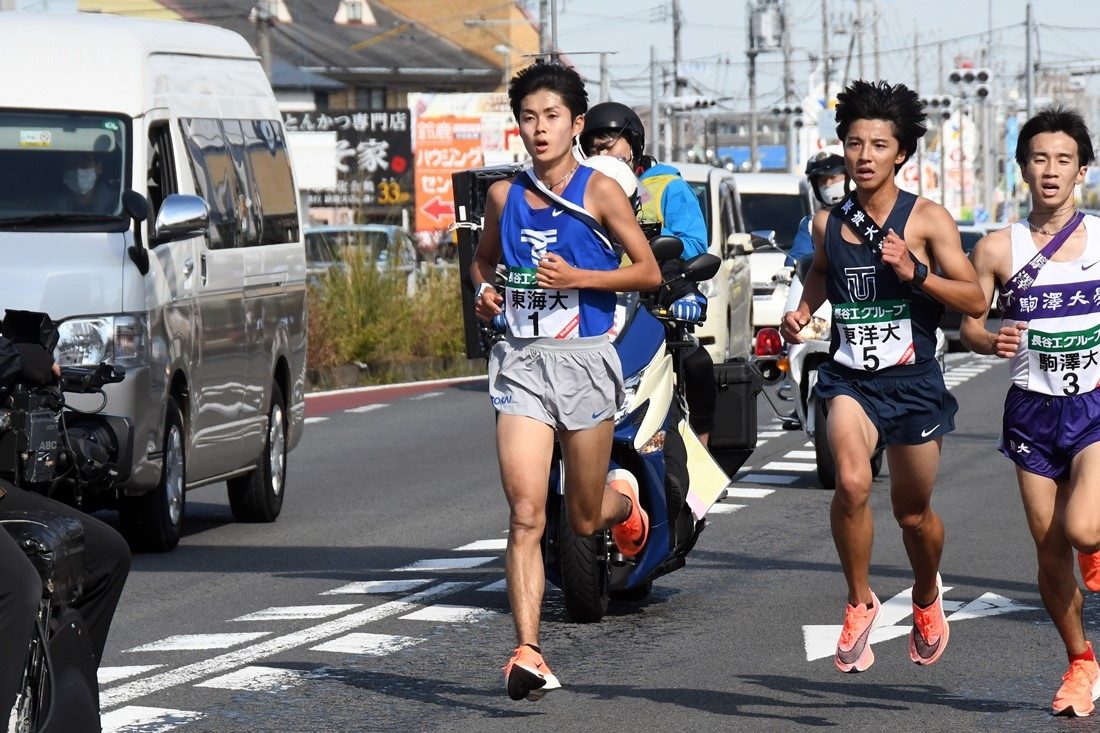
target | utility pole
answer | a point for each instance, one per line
(605, 81)
(544, 28)
(1030, 75)
(554, 31)
(654, 115)
(788, 74)
(674, 153)
(878, 67)
(264, 20)
(988, 109)
(916, 88)
(941, 76)
(825, 48)
(859, 35)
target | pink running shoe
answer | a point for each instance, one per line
(853, 651)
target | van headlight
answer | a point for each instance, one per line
(114, 339)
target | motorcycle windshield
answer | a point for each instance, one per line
(642, 336)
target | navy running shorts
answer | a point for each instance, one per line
(909, 405)
(1042, 433)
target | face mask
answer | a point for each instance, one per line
(80, 180)
(834, 193)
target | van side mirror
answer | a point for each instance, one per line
(137, 207)
(181, 216)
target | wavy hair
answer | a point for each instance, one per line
(894, 103)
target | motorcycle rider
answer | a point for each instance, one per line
(106, 556)
(829, 180)
(614, 129)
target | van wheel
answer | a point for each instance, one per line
(258, 497)
(152, 522)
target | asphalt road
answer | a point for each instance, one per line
(375, 603)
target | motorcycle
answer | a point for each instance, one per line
(793, 373)
(49, 447)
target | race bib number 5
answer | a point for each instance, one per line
(1065, 363)
(534, 312)
(874, 335)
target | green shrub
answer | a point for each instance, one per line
(359, 314)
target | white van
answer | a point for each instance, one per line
(147, 202)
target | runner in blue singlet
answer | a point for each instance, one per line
(1051, 336)
(883, 384)
(556, 371)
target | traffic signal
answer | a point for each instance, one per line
(972, 82)
(688, 103)
(937, 106)
(787, 109)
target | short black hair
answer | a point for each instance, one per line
(563, 80)
(894, 103)
(1056, 119)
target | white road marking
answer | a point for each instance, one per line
(989, 604)
(257, 679)
(374, 645)
(270, 647)
(787, 466)
(769, 478)
(297, 612)
(499, 586)
(441, 612)
(311, 420)
(720, 508)
(366, 408)
(106, 675)
(747, 492)
(378, 586)
(138, 719)
(769, 433)
(812, 455)
(426, 395)
(444, 563)
(183, 642)
(484, 546)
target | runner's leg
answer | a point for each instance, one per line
(1044, 504)
(912, 477)
(524, 449)
(592, 505)
(1082, 514)
(852, 439)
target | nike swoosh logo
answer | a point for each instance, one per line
(1085, 267)
(557, 212)
(929, 431)
(597, 415)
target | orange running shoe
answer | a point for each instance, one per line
(527, 676)
(1080, 686)
(930, 632)
(853, 651)
(1090, 569)
(631, 533)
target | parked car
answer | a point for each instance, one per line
(387, 245)
(952, 319)
(727, 333)
(190, 271)
(770, 205)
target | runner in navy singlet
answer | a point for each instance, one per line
(1050, 333)
(556, 371)
(883, 385)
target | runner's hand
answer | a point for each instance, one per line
(488, 305)
(793, 322)
(555, 273)
(895, 253)
(1008, 340)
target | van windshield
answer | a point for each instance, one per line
(775, 211)
(61, 170)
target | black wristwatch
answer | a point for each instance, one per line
(920, 274)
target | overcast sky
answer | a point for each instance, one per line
(713, 39)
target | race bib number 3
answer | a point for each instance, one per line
(874, 335)
(1065, 363)
(534, 312)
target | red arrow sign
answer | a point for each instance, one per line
(436, 208)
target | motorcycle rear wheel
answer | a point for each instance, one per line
(585, 576)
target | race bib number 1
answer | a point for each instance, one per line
(1065, 363)
(533, 312)
(874, 335)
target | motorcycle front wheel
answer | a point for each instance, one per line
(585, 576)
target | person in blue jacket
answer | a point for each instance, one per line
(614, 129)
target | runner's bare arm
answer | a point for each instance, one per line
(813, 290)
(607, 202)
(487, 254)
(993, 263)
(955, 284)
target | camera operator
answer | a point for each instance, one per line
(106, 555)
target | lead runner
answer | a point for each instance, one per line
(889, 261)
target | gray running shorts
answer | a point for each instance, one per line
(569, 384)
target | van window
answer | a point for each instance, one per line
(775, 211)
(245, 207)
(273, 184)
(160, 178)
(729, 218)
(699, 188)
(215, 178)
(63, 171)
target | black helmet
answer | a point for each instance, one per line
(616, 118)
(826, 162)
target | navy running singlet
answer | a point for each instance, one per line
(879, 321)
(526, 235)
